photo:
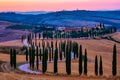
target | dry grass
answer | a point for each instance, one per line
(6, 58)
(94, 47)
(15, 43)
(6, 76)
(116, 36)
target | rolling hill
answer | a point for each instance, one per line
(66, 18)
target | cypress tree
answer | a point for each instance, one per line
(55, 60)
(61, 55)
(46, 58)
(14, 57)
(64, 48)
(30, 52)
(96, 66)
(80, 60)
(52, 49)
(69, 59)
(26, 54)
(85, 62)
(33, 56)
(101, 67)
(37, 60)
(76, 50)
(43, 63)
(114, 62)
(40, 54)
(66, 59)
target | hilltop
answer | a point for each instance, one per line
(66, 18)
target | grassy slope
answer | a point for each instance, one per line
(94, 47)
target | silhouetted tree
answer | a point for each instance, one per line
(55, 60)
(85, 62)
(46, 58)
(30, 54)
(60, 55)
(37, 59)
(26, 52)
(80, 60)
(68, 59)
(33, 57)
(101, 67)
(96, 65)
(14, 58)
(52, 47)
(40, 54)
(114, 62)
(43, 63)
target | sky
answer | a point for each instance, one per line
(56, 5)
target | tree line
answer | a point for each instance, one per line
(82, 33)
(54, 51)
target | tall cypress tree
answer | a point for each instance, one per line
(114, 62)
(101, 67)
(96, 65)
(69, 59)
(52, 49)
(33, 56)
(43, 63)
(76, 50)
(30, 52)
(85, 62)
(37, 59)
(64, 48)
(55, 60)
(61, 55)
(40, 54)
(14, 57)
(46, 58)
(66, 53)
(26, 54)
(80, 60)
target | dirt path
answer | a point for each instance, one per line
(4, 67)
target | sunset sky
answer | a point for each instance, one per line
(55, 5)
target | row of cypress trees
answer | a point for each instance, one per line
(100, 66)
(42, 54)
(93, 32)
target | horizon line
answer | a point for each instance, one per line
(62, 10)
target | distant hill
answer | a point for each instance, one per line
(67, 18)
(32, 12)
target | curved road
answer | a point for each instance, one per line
(26, 67)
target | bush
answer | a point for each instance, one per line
(23, 48)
